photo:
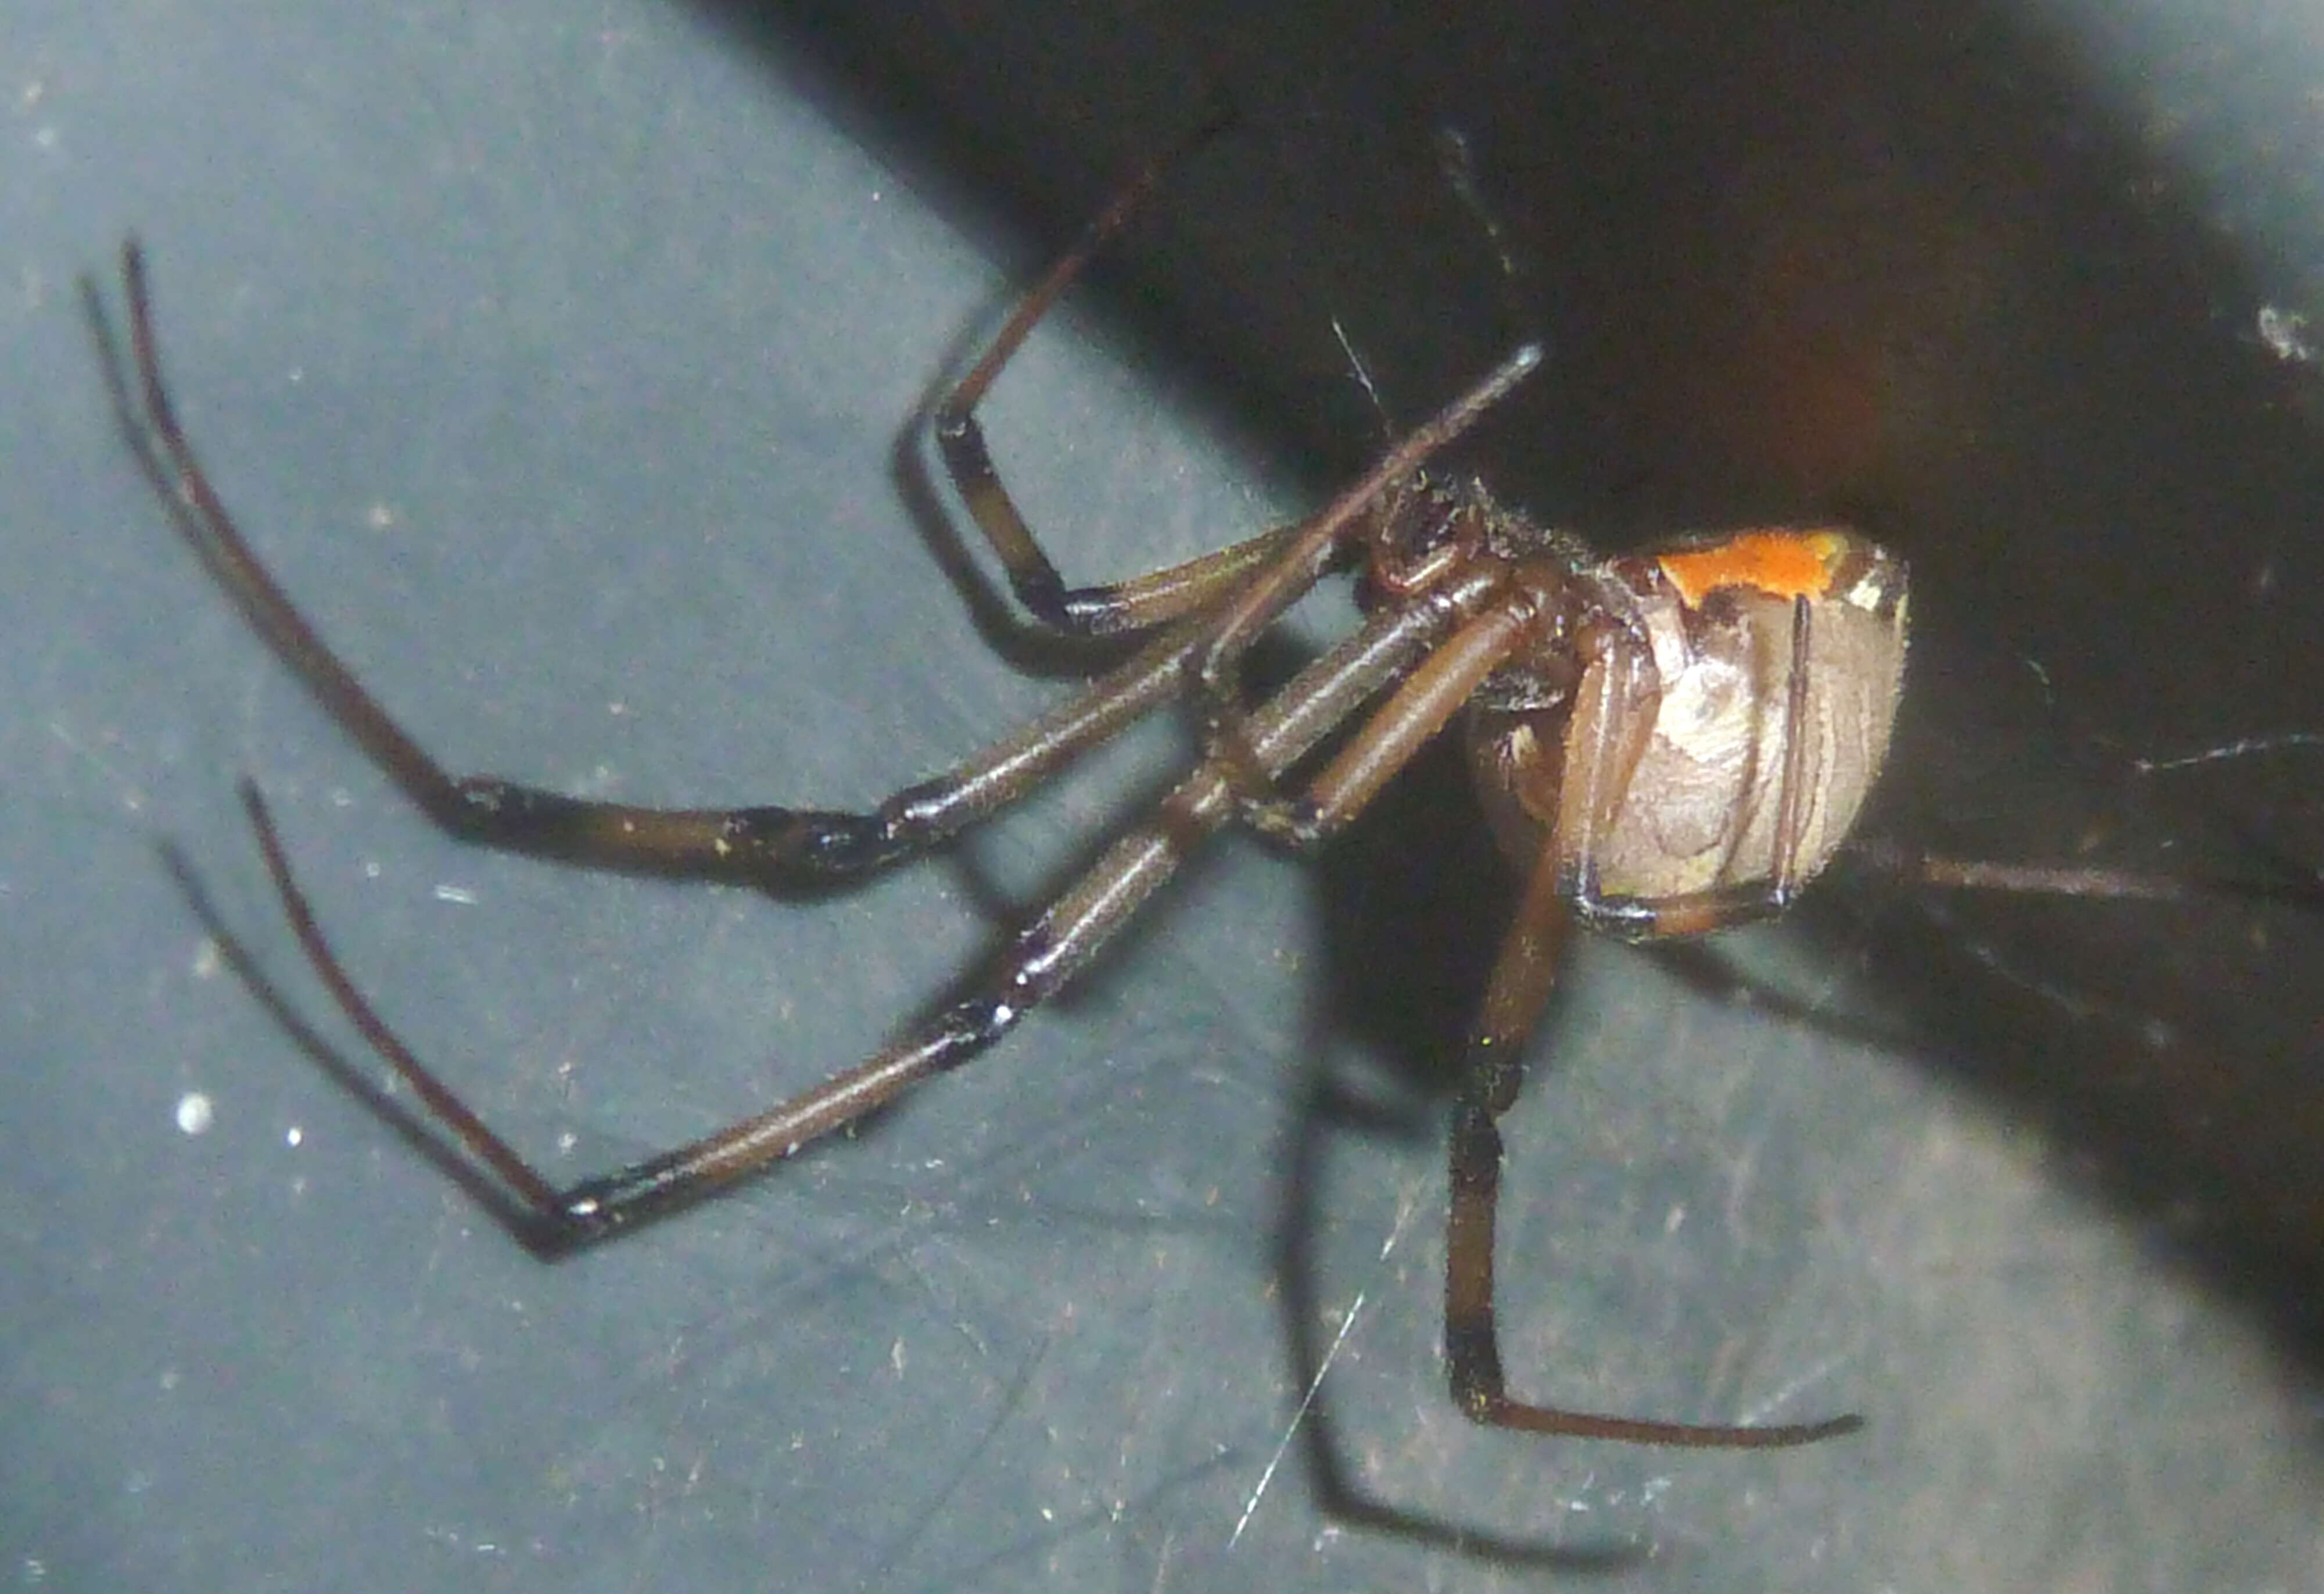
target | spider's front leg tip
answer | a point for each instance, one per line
(1520, 363)
(1793, 1435)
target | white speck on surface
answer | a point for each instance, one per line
(195, 1113)
(208, 957)
(462, 895)
(293, 1136)
(2284, 331)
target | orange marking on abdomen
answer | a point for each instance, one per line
(1778, 563)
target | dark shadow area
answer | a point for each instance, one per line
(1925, 272)
(1326, 1112)
(1935, 275)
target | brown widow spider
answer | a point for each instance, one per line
(1670, 743)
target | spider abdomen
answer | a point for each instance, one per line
(1720, 675)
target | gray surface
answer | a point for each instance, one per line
(559, 362)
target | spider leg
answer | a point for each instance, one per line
(1493, 1075)
(1417, 710)
(755, 845)
(1114, 607)
(2294, 888)
(1700, 912)
(1045, 956)
(1318, 542)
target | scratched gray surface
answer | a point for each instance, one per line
(559, 359)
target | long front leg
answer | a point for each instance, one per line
(1493, 1077)
(1045, 956)
(759, 844)
(1113, 608)
(1304, 557)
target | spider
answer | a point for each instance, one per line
(1668, 743)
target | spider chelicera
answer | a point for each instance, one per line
(1668, 743)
